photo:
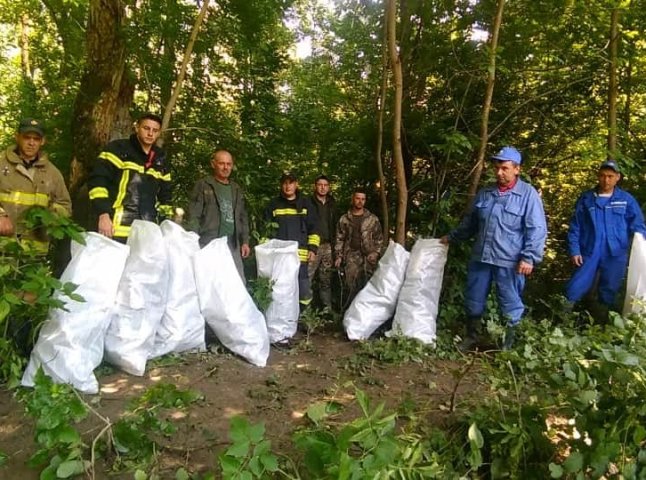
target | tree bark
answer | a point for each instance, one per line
(380, 136)
(182, 72)
(395, 62)
(486, 107)
(23, 43)
(105, 95)
(612, 83)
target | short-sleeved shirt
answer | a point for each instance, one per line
(225, 202)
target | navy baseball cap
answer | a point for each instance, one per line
(31, 125)
(611, 164)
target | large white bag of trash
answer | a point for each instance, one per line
(636, 283)
(376, 302)
(70, 343)
(227, 306)
(141, 300)
(182, 325)
(278, 260)
(416, 314)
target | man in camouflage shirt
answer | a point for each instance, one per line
(359, 241)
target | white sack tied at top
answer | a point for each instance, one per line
(278, 260)
(140, 301)
(416, 314)
(182, 325)
(226, 305)
(70, 342)
(375, 303)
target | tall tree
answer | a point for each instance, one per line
(395, 62)
(486, 106)
(106, 92)
(612, 82)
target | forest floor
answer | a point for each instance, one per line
(323, 367)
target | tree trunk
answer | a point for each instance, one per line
(395, 62)
(612, 83)
(23, 42)
(105, 95)
(486, 107)
(380, 136)
(182, 72)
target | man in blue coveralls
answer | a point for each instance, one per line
(508, 222)
(604, 220)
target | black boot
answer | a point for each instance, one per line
(510, 338)
(470, 341)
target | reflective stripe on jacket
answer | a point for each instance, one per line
(129, 185)
(622, 218)
(21, 188)
(508, 227)
(297, 221)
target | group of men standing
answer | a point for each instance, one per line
(131, 180)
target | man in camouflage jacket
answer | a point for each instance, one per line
(359, 240)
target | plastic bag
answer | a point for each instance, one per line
(227, 306)
(70, 343)
(376, 302)
(635, 301)
(141, 300)
(278, 260)
(419, 298)
(182, 325)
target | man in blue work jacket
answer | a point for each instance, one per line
(508, 222)
(604, 220)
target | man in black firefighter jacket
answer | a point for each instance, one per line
(296, 220)
(131, 180)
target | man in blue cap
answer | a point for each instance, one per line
(604, 220)
(508, 223)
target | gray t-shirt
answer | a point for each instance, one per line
(225, 200)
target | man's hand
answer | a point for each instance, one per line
(524, 268)
(444, 240)
(372, 258)
(6, 227)
(244, 250)
(577, 260)
(105, 225)
(311, 256)
(337, 262)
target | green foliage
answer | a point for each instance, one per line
(396, 349)
(249, 456)
(134, 435)
(28, 291)
(260, 289)
(56, 408)
(316, 320)
(367, 447)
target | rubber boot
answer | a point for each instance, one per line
(470, 341)
(510, 338)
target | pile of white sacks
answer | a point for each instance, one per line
(156, 294)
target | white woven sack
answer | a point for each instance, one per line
(416, 314)
(141, 300)
(182, 325)
(70, 343)
(375, 303)
(278, 260)
(227, 306)
(635, 301)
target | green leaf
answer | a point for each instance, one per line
(4, 309)
(182, 474)
(475, 437)
(257, 432)
(3, 458)
(271, 462)
(556, 471)
(588, 396)
(239, 449)
(573, 463)
(141, 475)
(70, 468)
(49, 473)
(317, 412)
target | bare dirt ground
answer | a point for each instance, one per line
(325, 368)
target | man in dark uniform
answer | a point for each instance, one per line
(131, 180)
(321, 267)
(296, 220)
